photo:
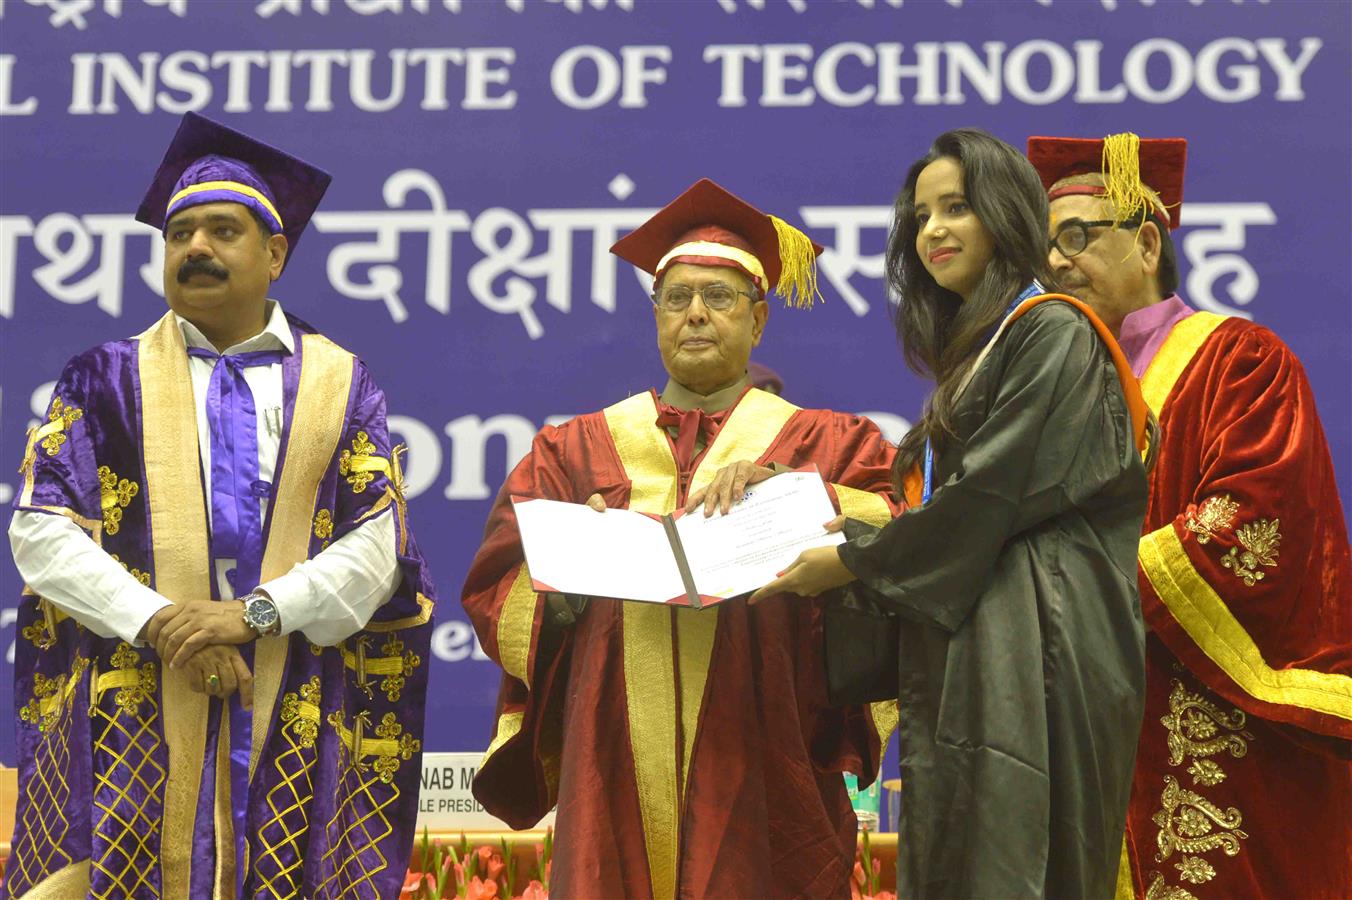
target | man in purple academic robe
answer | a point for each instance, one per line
(221, 662)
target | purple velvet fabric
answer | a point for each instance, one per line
(92, 781)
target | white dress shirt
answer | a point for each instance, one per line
(328, 598)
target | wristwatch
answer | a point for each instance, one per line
(260, 614)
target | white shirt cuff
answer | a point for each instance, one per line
(131, 609)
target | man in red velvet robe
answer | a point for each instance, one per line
(1243, 785)
(689, 752)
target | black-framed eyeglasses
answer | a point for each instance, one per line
(718, 297)
(1073, 236)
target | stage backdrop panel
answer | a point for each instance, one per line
(487, 152)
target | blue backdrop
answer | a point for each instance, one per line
(487, 153)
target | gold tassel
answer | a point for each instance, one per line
(1122, 185)
(798, 266)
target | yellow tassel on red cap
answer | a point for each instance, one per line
(798, 266)
(1122, 185)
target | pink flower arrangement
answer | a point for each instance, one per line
(456, 870)
(481, 873)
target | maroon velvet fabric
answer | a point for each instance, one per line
(1241, 421)
(764, 812)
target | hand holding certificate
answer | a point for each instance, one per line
(687, 560)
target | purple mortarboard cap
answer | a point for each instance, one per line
(209, 163)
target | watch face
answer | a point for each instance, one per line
(262, 613)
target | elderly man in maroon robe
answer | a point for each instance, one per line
(1243, 785)
(220, 667)
(689, 752)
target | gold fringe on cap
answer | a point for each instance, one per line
(1122, 185)
(798, 266)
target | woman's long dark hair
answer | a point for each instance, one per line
(941, 335)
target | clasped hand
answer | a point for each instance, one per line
(198, 637)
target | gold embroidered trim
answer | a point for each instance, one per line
(324, 524)
(1259, 540)
(1178, 349)
(886, 714)
(360, 465)
(42, 633)
(509, 725)
(300, 712)
(134, 685)
(424, 613)
(396, 665)
(653, 674)
(516, 626)
(1189, 822)
(281, 859)
(173, 496)
(143, 577)
(1195, 870)
(59, 419)
(1202, 613)
(317, 416)
(862, 505)
(114, 495)
(51, 694)
(390, 745)
(1213, 515)
(1198, 729)
(1159, 890)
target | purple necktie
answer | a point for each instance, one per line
(232, 420)
(237, 533)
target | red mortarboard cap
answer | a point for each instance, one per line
(709, 226)
(208, 162)
(1128, 164)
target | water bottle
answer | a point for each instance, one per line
(866, 802)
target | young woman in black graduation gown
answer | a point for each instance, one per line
(1021, 664)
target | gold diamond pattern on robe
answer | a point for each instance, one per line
(122, 778)
(359, 826)
(43, 822)
(280, 864)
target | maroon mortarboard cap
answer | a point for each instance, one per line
(1130, 171)
(208, 162)
(710, 226)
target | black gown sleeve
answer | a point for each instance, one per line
(1055, 431)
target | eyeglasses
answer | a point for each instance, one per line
(1072, 238)
(718, 297)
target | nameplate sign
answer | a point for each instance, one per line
(445, 801)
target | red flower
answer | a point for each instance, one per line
(412, 882)
(490, 863)
(481, 890)
(536, 891)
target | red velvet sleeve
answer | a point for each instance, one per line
(517, 779)
(1245, 564)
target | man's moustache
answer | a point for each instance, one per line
(193, 267)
